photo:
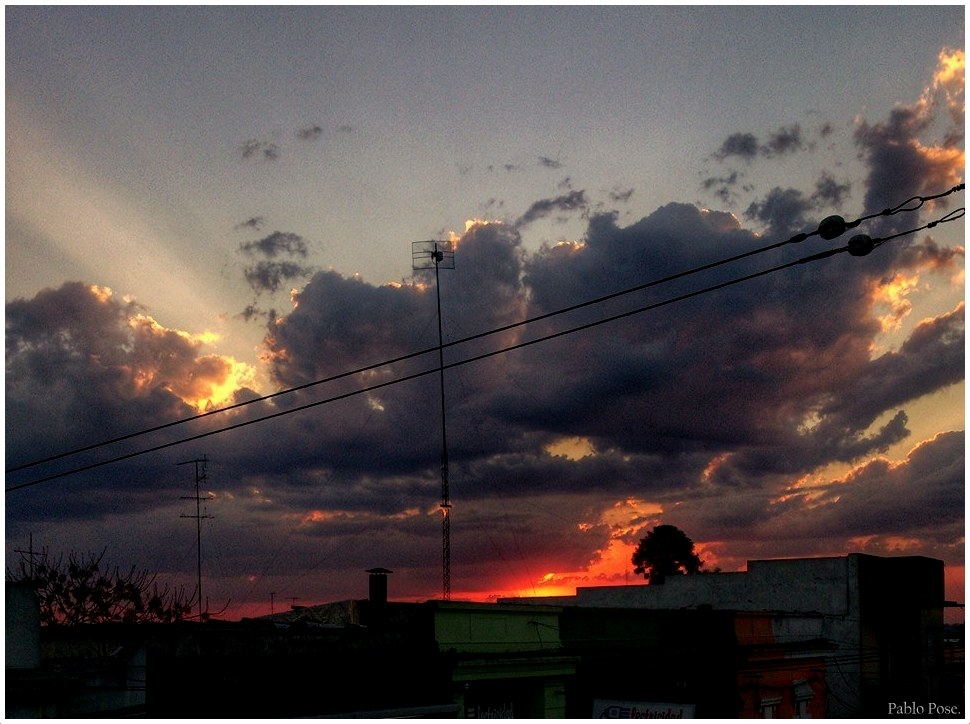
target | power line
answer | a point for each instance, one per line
(952, 216)
(858, 246)
(829, 228)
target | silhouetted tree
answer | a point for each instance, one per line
(665, 551)
(84, 590)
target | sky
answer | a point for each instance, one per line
(215, 207)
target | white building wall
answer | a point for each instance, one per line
(820, 585)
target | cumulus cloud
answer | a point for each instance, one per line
(901, 161)
(84, 366)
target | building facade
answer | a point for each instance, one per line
(881, 619)
(808, 638)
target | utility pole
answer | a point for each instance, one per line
(441, 254)
(30, 554)
(200, 477)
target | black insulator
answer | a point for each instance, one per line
(831, 227)
(860, 245)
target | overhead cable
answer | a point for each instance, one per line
(829, 228)
(850, 247)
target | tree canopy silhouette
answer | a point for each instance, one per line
(665, 551)
(84, 590)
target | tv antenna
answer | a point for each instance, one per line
(425, 255)
(200, 477)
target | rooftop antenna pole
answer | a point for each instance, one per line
(200, 477)
(442, 255)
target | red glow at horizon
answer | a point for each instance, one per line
(612, 567)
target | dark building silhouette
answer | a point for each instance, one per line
(824, 637)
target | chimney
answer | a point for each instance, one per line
(377, 588)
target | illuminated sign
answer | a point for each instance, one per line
(491, 711)
(610, 709)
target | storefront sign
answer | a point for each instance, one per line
(610, 709)
(490, 711)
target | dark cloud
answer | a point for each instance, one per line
(256, 148)
(549, 162)
(784, 140)
(268, 275)
(620, 196)
(920, 497)
(278, 243)
(723, 187)
(900, 166)
(573, 201)
(911, 507)
(309, 133)
(254, 222)
(730, 180)
(782, 210)
(829, 193)
(266, 150)
(742, 145)
(902, 162)
(747, 147)
(786, 211)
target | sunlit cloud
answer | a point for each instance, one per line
(573, 448)
(894, 294)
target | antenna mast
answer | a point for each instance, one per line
(200, 477)
(442, 255)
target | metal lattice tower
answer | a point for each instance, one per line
(425, 255)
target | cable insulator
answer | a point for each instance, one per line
(861, 244)
(831, 227)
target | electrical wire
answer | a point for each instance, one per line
(952, 216)
(836, 227)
